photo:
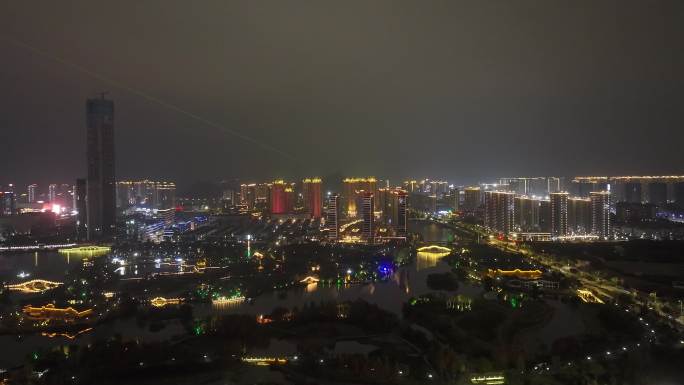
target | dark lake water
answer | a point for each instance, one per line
(406, 282)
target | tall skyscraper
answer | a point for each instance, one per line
(527, 214)
(164, 195)
(499, 211)
(600, 214)
(311, 187)
(352, 191)
(559, 213)
(332, 217)
(368, 216)
(545, 216)
(401, 208)
(52, 193)
(472, 198)
(278, 197)
(32, 193)
(101, 195)
(8, 203)
(80, 206)
(579, 215)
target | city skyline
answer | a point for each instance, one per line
(384, 192)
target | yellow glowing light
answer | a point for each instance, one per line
(588, 296)
(310, 279)
(67, 335)
(34, 286)
(49, 311)
(87, 250)
(161, 301)
(522, 274)
(435, 249)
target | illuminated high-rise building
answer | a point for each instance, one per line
(600, 214)
(248, 194)
(332, 217)
(579, 215)
(80, 191)
(311, 188)
(544, 216)
(400, 207)
(472, 199)
(499, 211)
(8, 203)
(559, 213)
(289, 199)
(32, 193)
(368, 216)
(352, 188)
(52, 193)
(527, 213)
(164, 195)
(101, 196)
(455, 199)
(278, 197)
(411, 186)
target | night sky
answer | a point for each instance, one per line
(393, 89)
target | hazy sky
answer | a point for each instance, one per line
(404, 88)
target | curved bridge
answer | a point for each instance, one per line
(34, 286)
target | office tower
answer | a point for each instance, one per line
(311, 188)
(657, 193)
(526, 214)
(332, 217)
(32, 193)
(351, 192)
(101, 195)
(455, 199)
(632, 192)
(679, 193)
(499, 211)
(579, 215)
(472, 199)
(80, 205)
(278, 199)
(52, 192)
(544, 216)
(559, 214)
(600, 214)
(367, 215)
(8, 203)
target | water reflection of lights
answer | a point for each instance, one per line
(67, 335)
(224, 303)
(427, 259)
(87, 250)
